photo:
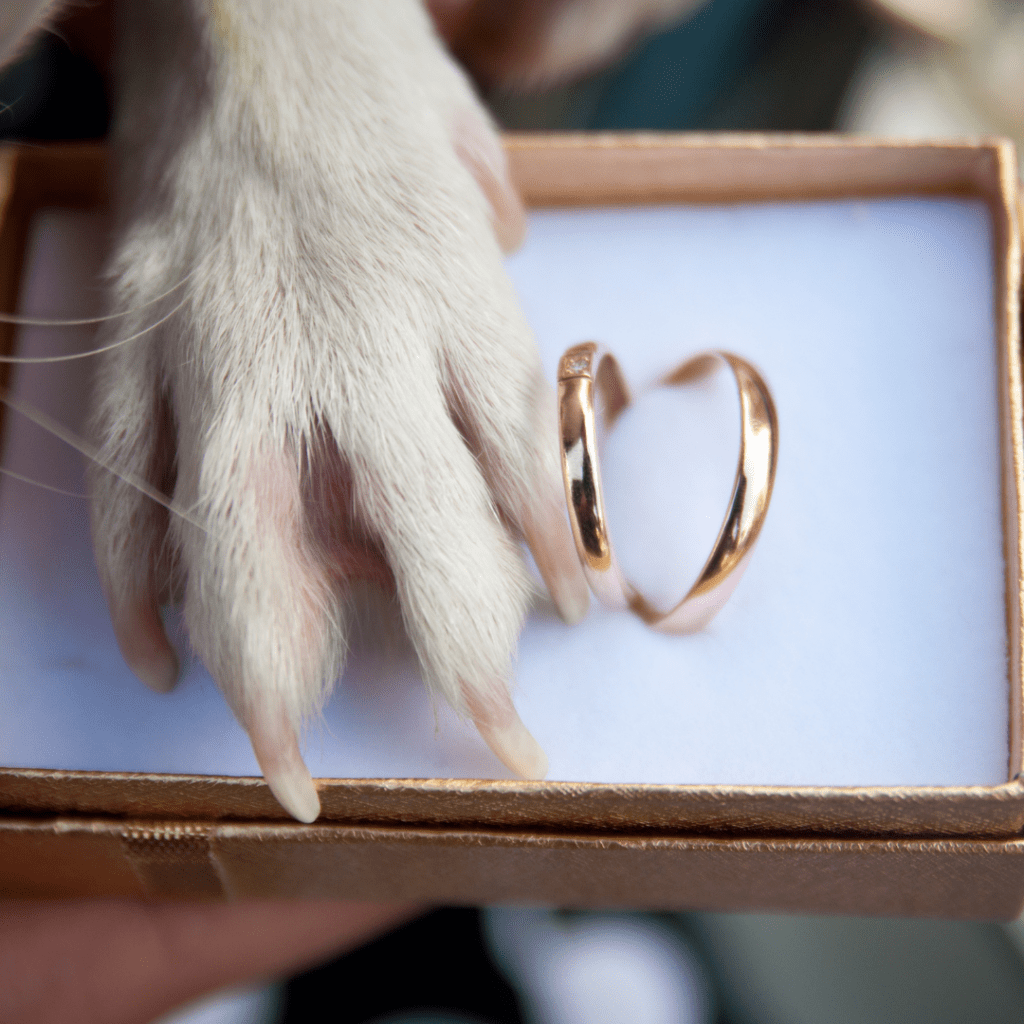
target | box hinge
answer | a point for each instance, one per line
(173, 860)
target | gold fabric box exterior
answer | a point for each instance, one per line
(952, 852)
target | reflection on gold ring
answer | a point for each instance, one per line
(586, 371)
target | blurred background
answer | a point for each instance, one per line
(913, 67)
(902, 67)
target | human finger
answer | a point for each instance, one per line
(128, 961)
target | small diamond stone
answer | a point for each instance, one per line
(577, 364)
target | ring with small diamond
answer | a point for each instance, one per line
(587, 372)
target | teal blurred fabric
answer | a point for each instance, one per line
(734, 65)
(674, 80)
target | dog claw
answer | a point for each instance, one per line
(515, 747)
(145, 647)
(277, 750)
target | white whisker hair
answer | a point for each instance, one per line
(38, 360)
(91, 452)
(27, 321)
(39, 483)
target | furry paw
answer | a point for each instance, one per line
(345, 387)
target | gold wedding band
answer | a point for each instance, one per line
(587, 368)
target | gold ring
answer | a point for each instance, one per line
(586, 368)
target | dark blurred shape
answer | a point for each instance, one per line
(52, 92)
(805, 970)
(675, 79)
(766, 65)
(438, 962)
(735, 65)
(799, 80)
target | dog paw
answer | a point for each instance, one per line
(344, 386)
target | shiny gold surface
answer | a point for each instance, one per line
(586, 369)
(577, 378)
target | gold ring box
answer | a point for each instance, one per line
(910, 850)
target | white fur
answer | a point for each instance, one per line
(351, 299)
(349, 377)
